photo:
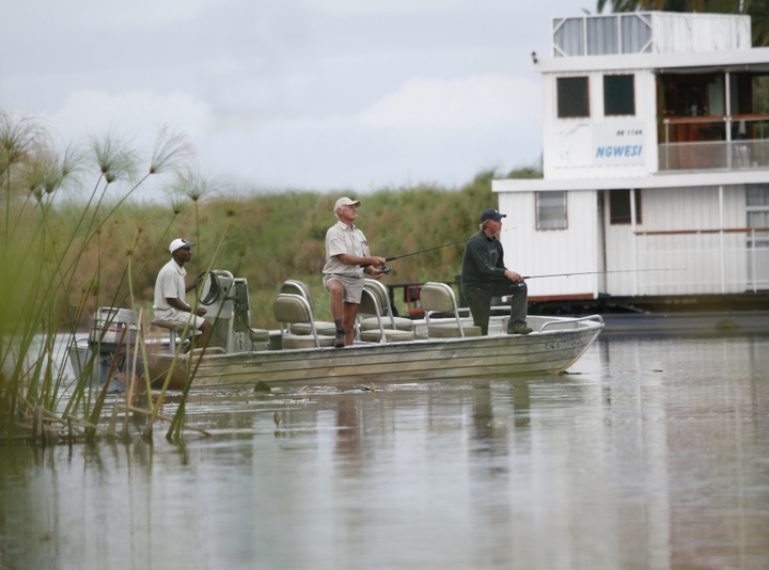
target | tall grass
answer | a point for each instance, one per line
(273, 237)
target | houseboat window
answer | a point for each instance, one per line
(636, 33)
(573, 97)
(568, 37)
(602, 36)
(749, 92)
(692, 94)
(551, 210)
(749, 95)
(619, 206)
(693, 109)
(618, 95)
(757, 201)
(760, 92)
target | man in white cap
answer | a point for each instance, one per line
(170, 293)
(484, 275)
(347, 259)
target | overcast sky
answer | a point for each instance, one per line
(311, 94)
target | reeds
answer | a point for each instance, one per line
(56, 256)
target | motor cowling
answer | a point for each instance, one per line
(112, 326)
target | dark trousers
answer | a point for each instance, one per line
(479, 301)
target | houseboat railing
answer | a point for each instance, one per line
(728, 260)
(669, 262)
(715, 142)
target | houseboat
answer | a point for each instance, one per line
(655, 188)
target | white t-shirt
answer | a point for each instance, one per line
(170, 285)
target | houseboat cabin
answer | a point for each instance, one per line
(655, 164)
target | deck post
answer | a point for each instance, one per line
(635, 239)
(753, 266)
(728, 121)
(722, 237)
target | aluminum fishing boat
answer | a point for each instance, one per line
(442, 345)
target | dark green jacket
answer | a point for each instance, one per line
(483, 261)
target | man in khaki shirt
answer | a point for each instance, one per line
(347, 260)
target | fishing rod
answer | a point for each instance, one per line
(427, 249)
(598, 272)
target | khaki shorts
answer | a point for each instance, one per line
(353, 286)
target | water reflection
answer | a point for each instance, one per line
(650, 453)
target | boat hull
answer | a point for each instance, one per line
(547, 351)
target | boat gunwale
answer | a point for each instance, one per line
(584, 324)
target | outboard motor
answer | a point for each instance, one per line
(111, 340)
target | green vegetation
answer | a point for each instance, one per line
(63, 257)
(274, 237)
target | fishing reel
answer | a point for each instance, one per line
(385, 269)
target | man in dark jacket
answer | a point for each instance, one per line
(484, 276)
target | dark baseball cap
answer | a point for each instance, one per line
(492, 214)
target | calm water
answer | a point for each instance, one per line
(651, 453)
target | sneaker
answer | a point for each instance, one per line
(518, 329)
(339, 339)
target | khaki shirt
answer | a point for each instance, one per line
(341, 238)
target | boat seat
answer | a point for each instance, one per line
(259, 335)
(369, 305)
(390, 320)
(290, 309)
(440, 298)
(296, 287)
(175, 328)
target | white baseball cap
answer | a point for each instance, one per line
(345, 201)
(178, 243)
